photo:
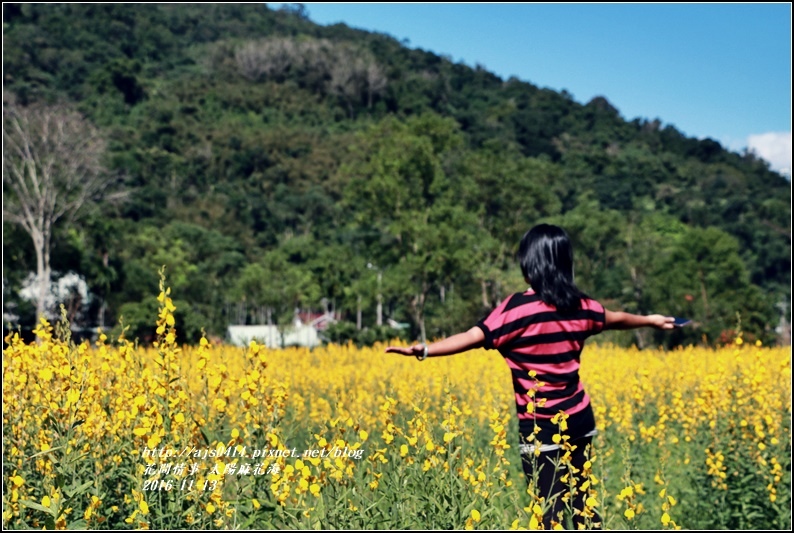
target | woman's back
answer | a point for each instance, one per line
(542, 346)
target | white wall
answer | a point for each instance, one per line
(269, 336)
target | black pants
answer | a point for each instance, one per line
(549, 486)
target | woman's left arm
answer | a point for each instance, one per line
(622, 320)
(460, 342)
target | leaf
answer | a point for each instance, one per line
(45, 452)
(37, 506)
(77, 525)
(76, 491)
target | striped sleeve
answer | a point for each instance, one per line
(493, 322)
(598, 318)
(522, 313)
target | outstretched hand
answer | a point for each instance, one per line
(416, 349)
(661, 321)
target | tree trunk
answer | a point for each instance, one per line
(379, 318)
(639, 334)
(704, 296)
(418, 311)
(103, 306)
(42, 272)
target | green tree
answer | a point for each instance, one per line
(279, 285)
(701, 276)
(396, 187)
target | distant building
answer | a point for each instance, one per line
(271, 337)
(304, 331)
(319, 321)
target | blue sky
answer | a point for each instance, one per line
(721, 71)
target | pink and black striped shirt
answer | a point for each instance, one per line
(540, 344)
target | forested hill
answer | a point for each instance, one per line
(274, 164)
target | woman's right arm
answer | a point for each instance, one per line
(458, 343)
(622, 320)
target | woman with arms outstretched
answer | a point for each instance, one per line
(541, 333)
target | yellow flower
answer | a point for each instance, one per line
(665, 519)
(210, 508)
(72, 396)
(629, 513)
(626, 492)
(475, 515)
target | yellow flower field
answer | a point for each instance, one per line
(113, 436)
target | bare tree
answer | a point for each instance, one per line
(270, 58)
(376, 81)
(356, 74)
(52, 168)
(341, 69)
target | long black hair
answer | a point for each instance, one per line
(546, 258)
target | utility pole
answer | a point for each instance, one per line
(379, 306)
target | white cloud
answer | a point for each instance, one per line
(774, 147)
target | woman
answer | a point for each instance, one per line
(541, 333)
